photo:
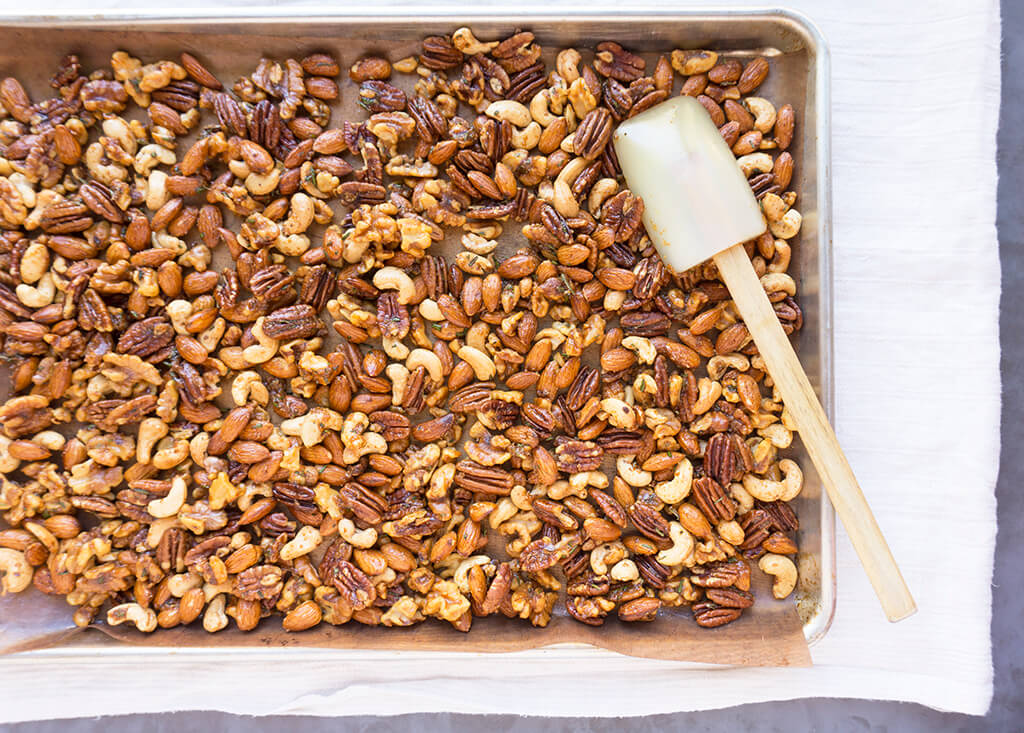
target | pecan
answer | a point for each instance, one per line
(645, 323)
(296, 321)
(711, 498)
(230, 115)
(730, 597)
(722, 575)
(577, 456)
(472, 476)
(99, 200)
(392, 425)
(613, 61)
(756, 526)
(259, 583)
(438, 52)
(722, 461)
(318, 287)
(585, 610)
(781, 515)
(640, 609)
(648, 520)
(300, 501)
(710, 615)
(367, 505)
(593, 133)
(475, 397)
(379, 96)
(653, 572)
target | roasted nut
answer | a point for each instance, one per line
(381, 382)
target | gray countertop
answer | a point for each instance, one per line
(1007, 711)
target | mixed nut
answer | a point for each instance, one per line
(338, 424)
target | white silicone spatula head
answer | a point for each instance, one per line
(697, 200)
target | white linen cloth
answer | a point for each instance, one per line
(915, 93)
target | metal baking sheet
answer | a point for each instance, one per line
(30, 48)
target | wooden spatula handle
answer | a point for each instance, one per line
(815, 432)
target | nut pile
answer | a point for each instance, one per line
(342, 425)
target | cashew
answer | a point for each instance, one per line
(163, 241)
(34, 262)
(597, 479)
(682, 546)
(157, 529)
(625, 570)
(357, 538)
(630, 473)
(731, 532)
(263, 184)
(430, 310)
(391, 278)
(105, 173)
(755, 163)
(395, 348)
(179, 311)
(601, 192)
(292, 245)
(527, 137)
(264, 349)
(788, 226)
(462, 571)
(567, 63)
(776, 282)
(305, 541)
(742, 497)
(39, 295)
(49, 439)
(570, 172)
(483, 365)
(793, 479)
(151, 429)
(118, 129)
(181, 583)
(784, 571)
(170, 455)
(539, 108)
(170, 504)
(150, 156)
(509, 110)
(144, 619)
(300, 215)
(15, 569)
(197, 447)
(607, 554)
(777, 434)
(464, 40)
(8, 463)
(211, 336)
(774, 207)
(249, 386)
(310, 427)
(613, 299)
(428, 360)
(642, 347)
(620, 414)
(214, 618)
(399, 377)
(764, 113)
(564, 201)
(674, 491)
(476, 336)
(719, 364)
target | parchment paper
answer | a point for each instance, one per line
(769, 634)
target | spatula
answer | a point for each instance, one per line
(698, 206)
